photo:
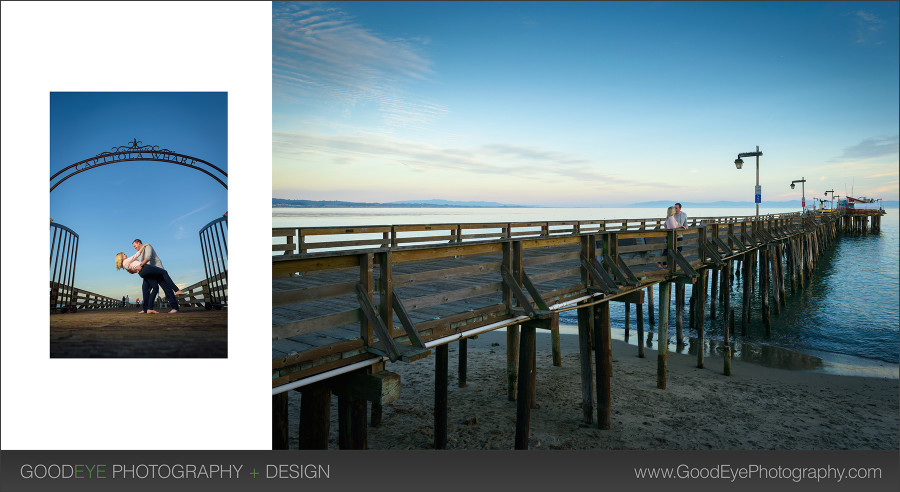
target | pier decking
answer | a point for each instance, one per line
(338, 316)
(123, 332)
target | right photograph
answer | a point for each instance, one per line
(585, 226)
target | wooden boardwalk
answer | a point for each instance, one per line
(339, 315)
(123, 332)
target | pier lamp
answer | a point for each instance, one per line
(802, 182)
(832, 198)
(739, 163)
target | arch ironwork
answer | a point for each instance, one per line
(135, 151)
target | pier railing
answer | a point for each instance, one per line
(201, 295)
(389, 300)
(63, 255)
(292, 240)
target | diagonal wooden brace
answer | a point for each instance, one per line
(629, 275)
(368, 309)
(739, 244)
(712, 253)
(520, 296)
(535, 294)
(724, 247)
(604, 277)
(400, 310)
(683, 263)
(622, 273)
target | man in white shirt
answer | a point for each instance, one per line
(680, 216)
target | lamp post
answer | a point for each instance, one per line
(738, 163)
(802, 188)
(832, 198)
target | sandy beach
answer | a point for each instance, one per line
(755, 408)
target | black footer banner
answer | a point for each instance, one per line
(435, 471)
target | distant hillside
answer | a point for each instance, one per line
(729, 204)
(451, 203)
(281, 202)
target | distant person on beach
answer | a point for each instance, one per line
(154, 277)
(671, 223)
(124, 304)
(680, 217)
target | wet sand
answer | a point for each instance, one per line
(193, 332)
(756, 408)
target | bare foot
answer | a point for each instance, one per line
(173, 311)
(151, 312)
(180, 293)
(660, 265)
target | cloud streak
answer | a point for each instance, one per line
(868, 25)
(321, 55)
(871, 148)
(192, 212)
(499, 160)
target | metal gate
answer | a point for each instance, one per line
(63, 254)
(214, 243)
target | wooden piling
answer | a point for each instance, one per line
(699, 315)
(554, 341)
(764, 288)
(526, 372)
(315, 416)
(512, 361)
(352, 429)
(713, 293)
(585, 325)
(512, 332)
(692, 306)
(627, 318)
(650, 307)
(726, 355)
(745, 315)
(441, 363)
(376, 414)
(679, 314)
(280, 421)
(640, 329)
(726, 295)
(603, 354)
(665, 290)
(463, 361)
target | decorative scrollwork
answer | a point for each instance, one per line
(134, 146)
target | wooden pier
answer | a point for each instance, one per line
(123, 332)
(397, 293)
(91, 325)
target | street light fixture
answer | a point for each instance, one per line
(739, 163)
(832, 198)
(802, 187)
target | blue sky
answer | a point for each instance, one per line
(163, 204)
(583, 103)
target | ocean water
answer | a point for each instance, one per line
(845, 321)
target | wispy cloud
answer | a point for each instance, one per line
(192, 212)
(870, 148)
(492, 159)
(320, 54)
(868, 26)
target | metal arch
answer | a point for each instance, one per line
(138, 152)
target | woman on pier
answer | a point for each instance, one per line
(671, 223)
(154, 277)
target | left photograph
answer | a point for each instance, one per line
(138, 225)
